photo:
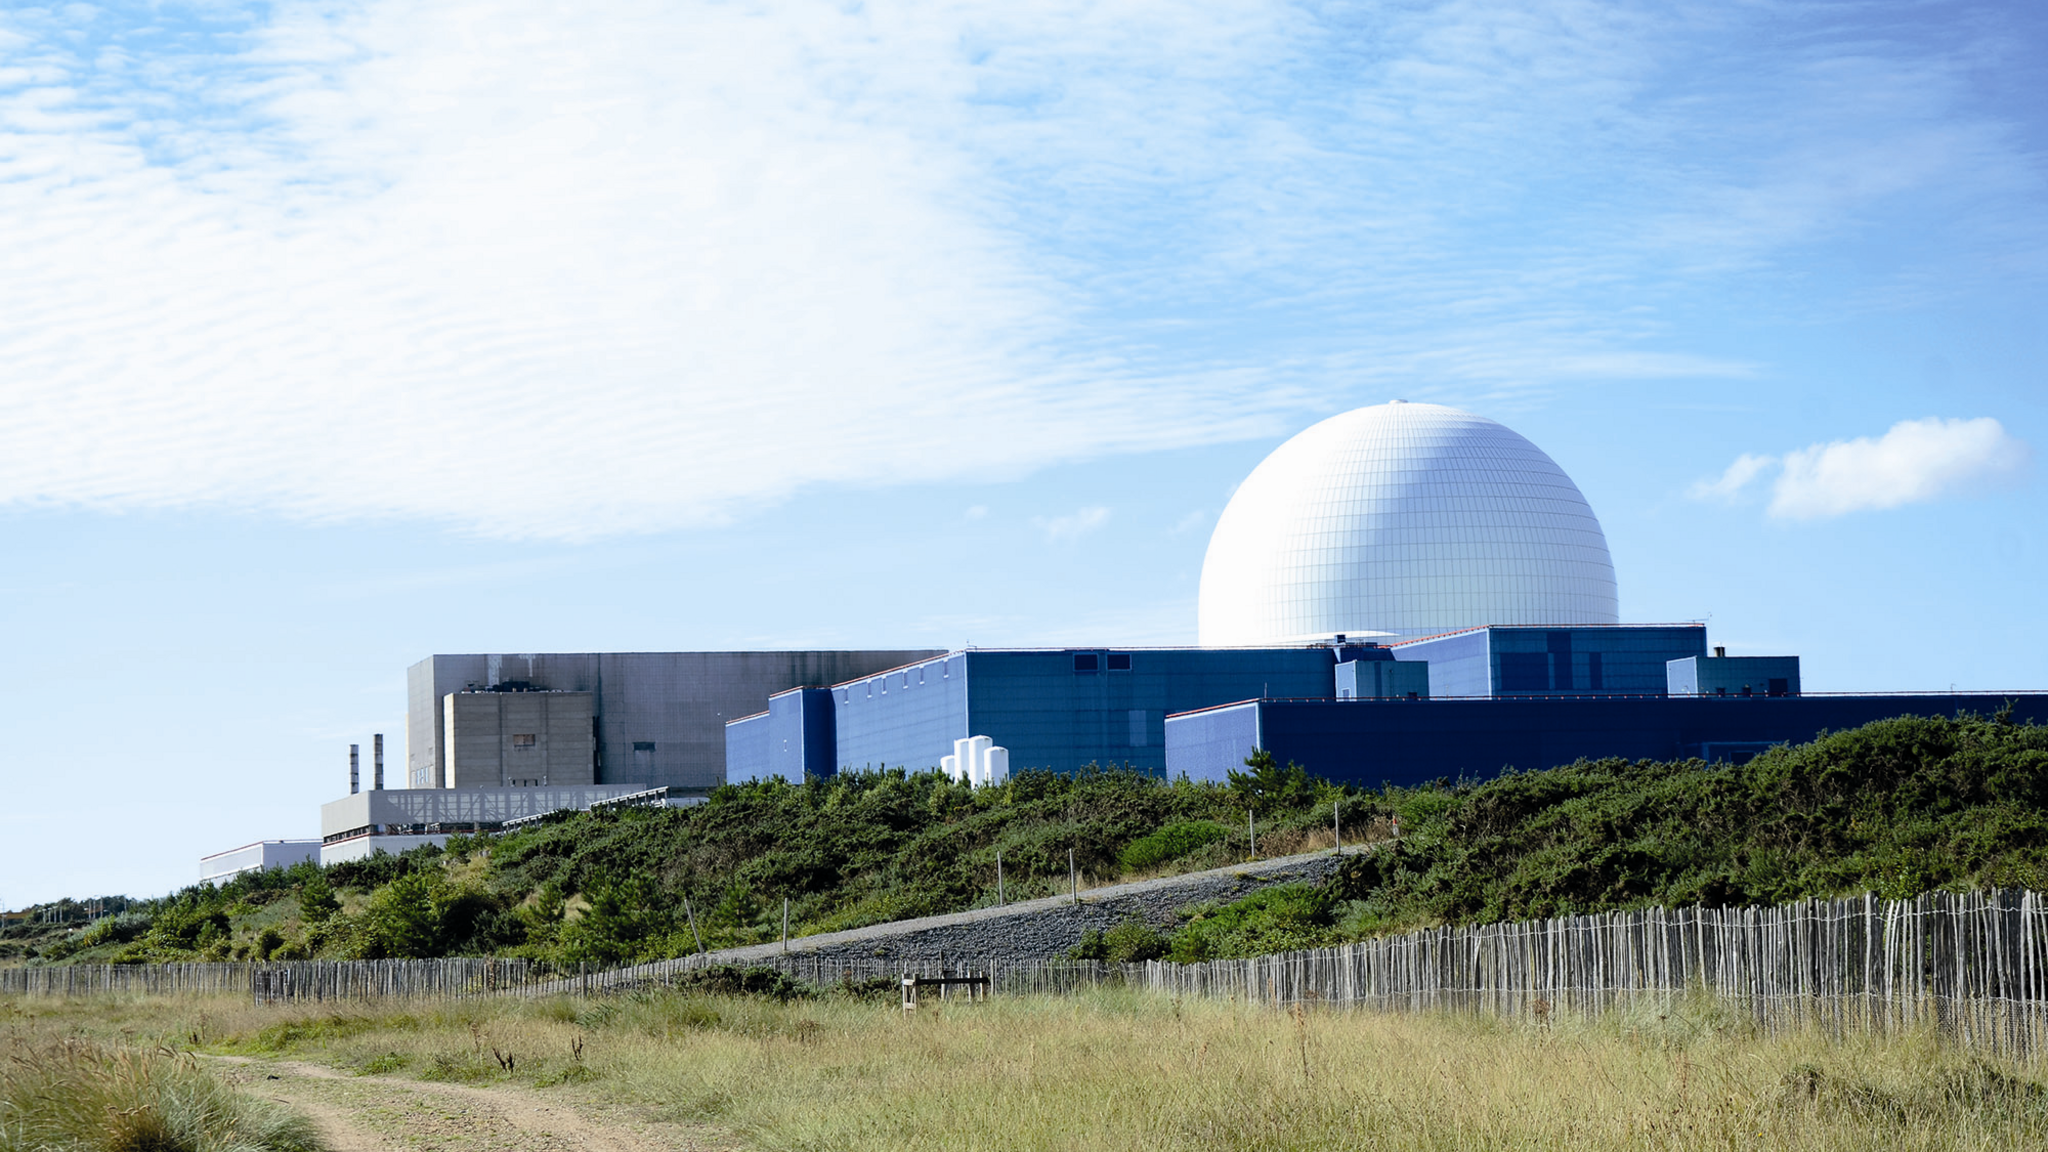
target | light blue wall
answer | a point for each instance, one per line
(906, 718)
(1207, 746)
(746, 749)
(1459, 664)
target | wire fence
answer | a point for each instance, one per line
(1973, 965)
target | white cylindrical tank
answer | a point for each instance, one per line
(977, 759)
(998, 764)
(950, 765)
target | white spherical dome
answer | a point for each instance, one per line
(1410, 519)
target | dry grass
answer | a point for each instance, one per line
(75, 1094)
(1134, 1070)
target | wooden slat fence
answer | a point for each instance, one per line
(1975, 965)
(316, 980)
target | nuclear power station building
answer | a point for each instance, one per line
(1397, 594)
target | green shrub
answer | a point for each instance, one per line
(1170, 843)
(1128, 943)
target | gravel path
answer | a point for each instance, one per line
(386, 1113)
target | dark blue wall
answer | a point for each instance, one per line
(1406, 742)
(1586, 659)
(1057, 708)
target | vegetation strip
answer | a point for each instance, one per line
(1896, 808)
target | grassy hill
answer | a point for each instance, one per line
(1896, 807)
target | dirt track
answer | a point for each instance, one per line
(378, 1113)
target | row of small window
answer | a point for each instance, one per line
(1088, 661)
(945, 673)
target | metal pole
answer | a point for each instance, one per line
(1073, 877)
(1251, 832)
(999, 877)
(1337, 822)
(693, 923)
(785, 923)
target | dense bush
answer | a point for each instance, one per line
(1170, 843)
(1895, 807)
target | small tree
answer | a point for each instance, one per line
(316, 900)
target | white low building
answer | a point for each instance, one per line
(263, 854)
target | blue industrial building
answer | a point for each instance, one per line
(1466, 704)
(1058, 708)
(1598, 660)
(1406, 742)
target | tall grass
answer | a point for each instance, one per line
(73, 1094)
(1130, 1069)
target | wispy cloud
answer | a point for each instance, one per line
(1915, 462)
(1731, 483)
(1074, 525)
(656, 264)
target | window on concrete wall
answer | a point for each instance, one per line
(1085, 662)
(523, 740)
(1119, 661)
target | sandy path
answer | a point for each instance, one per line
(382, 1113)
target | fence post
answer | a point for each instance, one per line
(999, 877)
(1073, 877)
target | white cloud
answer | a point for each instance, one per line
(1913, 463)
(1074, 525)
(1190, 522)
(542, 276)
(540, 272)
(1731, 482)
(976, 512)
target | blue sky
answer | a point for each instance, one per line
(334, 335)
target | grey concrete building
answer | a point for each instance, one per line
(359, 824)
(657, 719)
(518, 739)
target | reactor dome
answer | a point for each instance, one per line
(1407, 520)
